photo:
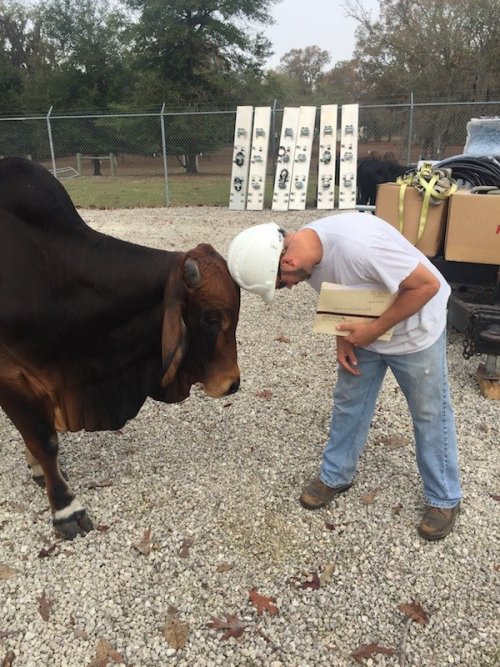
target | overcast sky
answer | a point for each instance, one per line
(323, 23)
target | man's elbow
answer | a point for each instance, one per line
(432, 287)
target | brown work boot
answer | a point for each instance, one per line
(437, 522)
(316, 494)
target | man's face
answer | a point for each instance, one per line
(289, 277)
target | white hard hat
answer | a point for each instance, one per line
(253, 258)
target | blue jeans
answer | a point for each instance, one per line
(422, 377)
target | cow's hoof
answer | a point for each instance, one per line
(77, 524)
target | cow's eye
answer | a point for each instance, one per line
(211, 320)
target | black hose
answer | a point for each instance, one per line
(475, 171)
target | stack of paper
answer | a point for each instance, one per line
(338, 304)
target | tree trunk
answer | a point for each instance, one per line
(191, 163)
(97, 167)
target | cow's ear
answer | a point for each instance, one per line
(173, 336)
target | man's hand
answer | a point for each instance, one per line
(361, 333)
(346, 356)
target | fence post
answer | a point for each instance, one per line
(164, 150)
(410, 131)
(51, 144)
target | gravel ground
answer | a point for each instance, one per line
(197, 511)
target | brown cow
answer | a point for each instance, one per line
(90, 326)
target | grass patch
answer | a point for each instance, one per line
(119, 192)
(103, 192)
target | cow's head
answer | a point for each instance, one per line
(201, 309)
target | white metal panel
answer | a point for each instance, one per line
(258, 158)
(348, 156)
(327, 156)
(284, 160)
(241, 158)
(302, 158)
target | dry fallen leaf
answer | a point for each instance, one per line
(224, 567)
(44, 552)
(144, 546)
(16, 507)
(414, 611)
(8, 661)
(327, 574)
(185, 546)
(80, 634)
(175, 631)
(263, 603)
(394, 441)
(494, 496)
(6, 572)
(282, 339)
(369, 650)
(368, 498)
(313, 583)
(44, 606)
(100, 485)
(264, 393)
(104, 652)
(232, 626)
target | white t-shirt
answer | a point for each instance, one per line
(365, 252)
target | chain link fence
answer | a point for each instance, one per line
(182, 158)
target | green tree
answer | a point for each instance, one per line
(198, 53)
(86, 42)
(448, 49)
(200, 49)
(305, 68)
(342, 84)
(24, 58)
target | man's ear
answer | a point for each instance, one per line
(288, 262)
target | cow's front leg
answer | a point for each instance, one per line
(69, 517)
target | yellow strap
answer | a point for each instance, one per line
(429, 192)
(402, 190)
(403, 182)
(428, 188)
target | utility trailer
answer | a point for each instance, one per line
(474, 310)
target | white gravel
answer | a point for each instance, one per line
(216, 482)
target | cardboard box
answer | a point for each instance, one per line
(387, 208)
(473, 228)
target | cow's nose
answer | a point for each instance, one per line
(234, 387)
